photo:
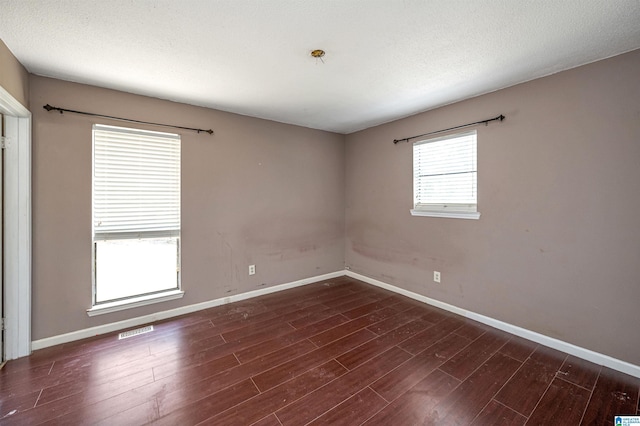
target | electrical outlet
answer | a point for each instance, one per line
(436, 276)
(252, 269)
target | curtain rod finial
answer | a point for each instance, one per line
(51, 108)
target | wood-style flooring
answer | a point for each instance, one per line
(336, 352)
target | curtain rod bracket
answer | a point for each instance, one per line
(501, 117)
(129, 120)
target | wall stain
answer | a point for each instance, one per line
(290, 237)
(227, 271)
(397, 256)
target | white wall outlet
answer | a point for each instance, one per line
(252, 269)
(436, 276)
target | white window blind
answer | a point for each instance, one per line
(445, 174)
(136, 185)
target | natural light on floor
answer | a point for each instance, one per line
(128, 268)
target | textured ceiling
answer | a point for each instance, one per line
(385, 59)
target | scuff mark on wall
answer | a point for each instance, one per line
(227, 273)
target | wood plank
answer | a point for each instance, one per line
(535, 377)
(339, 306)
(496, 414)
(344, 306)
(312, 316)
(263, 348)
(210, 384)
(10, 405)
(261, 405)
(178, 344)
(406, 304)
(368, 350)
(403, 317)
(229, 348)
(199, 365)
(468, 399)
(415, 406)
(353, 411)
(11, 377)
(316, 403)
(352, 326)
(272, 325)
(371, 307)
(142, 414)
(297, 366)
(93, 405)
(204, 408)
(562, 404)
(470, 358)
(472, 329)
(239, 321)
(518, 348)
(43, 413)
(76, 410)
(423, 340)
(409, 374)
(615, 393)
(102, 391)
(179, 389)
(579, 372)
(436, 315)
(548, 355)
(270, 420)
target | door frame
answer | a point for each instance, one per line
(2, 351)
(17, 226)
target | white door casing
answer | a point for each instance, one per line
(2, 351)
(17, 226)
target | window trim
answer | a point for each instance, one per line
(448, 210)
(134, 302)
(451, 214)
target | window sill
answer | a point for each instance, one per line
(450, 215)
(106, 308)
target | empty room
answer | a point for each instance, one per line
(355, 212)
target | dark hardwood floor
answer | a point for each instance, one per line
(335, 352)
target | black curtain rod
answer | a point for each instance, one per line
(486, 122)
(52, 108)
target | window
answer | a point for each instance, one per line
(445, 177)
(136, 215)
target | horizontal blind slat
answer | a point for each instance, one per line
(445, 172)
(136, 182)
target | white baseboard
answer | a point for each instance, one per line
(133, 322)
(589, 355)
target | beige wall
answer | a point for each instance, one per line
(13, 76)
(257, 192)
(557, 248)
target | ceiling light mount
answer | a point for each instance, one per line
(317, 54)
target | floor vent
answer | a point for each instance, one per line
(137, 331)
